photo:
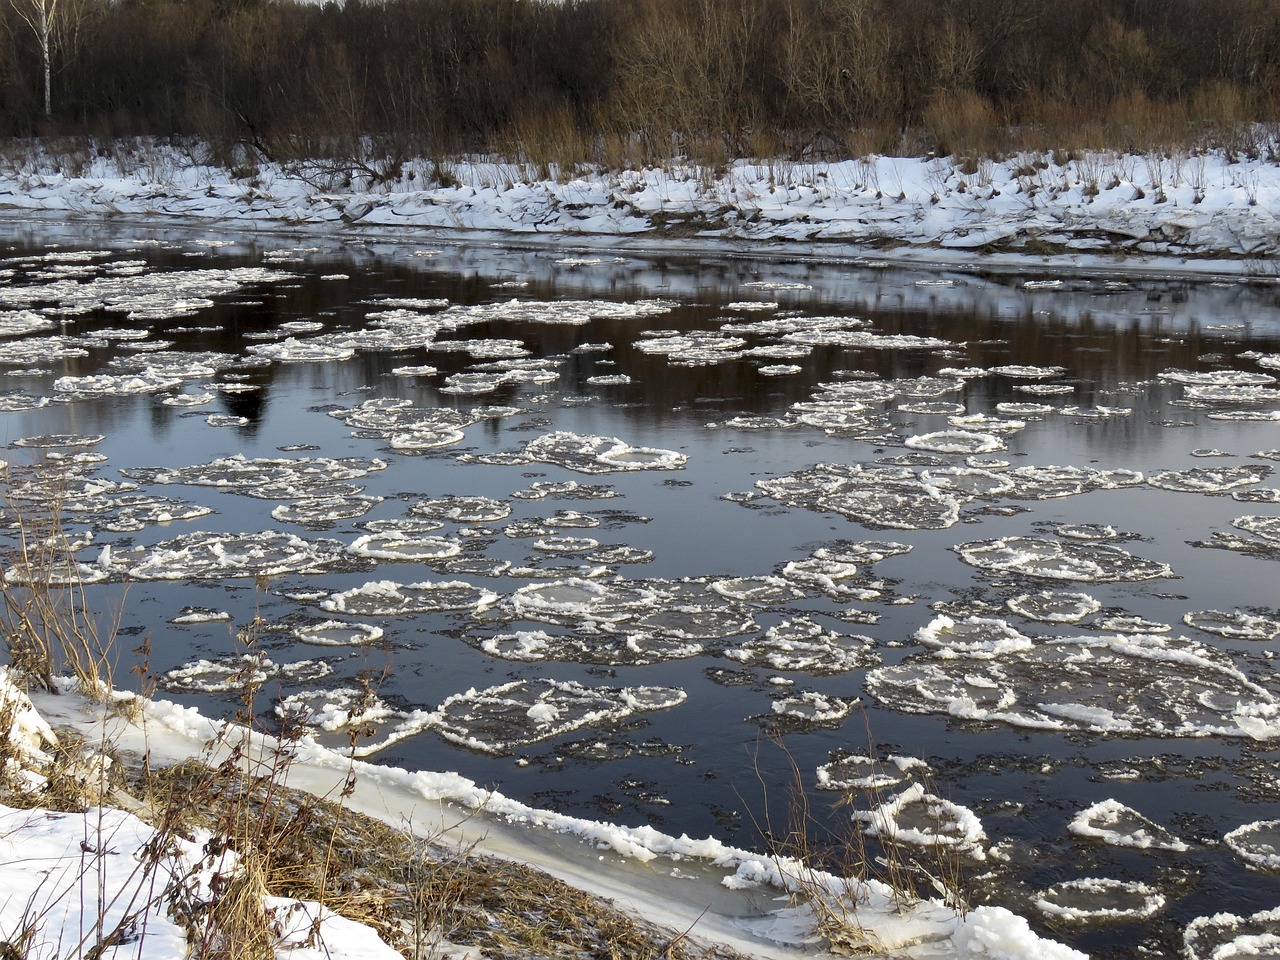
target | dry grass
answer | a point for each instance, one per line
(825, 866)
(48, 627)
(416, 892)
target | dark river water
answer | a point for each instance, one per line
(1077, 474)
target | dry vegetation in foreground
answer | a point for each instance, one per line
(423, 895)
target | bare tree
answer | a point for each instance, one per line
(40, 16)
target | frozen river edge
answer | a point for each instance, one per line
(1103, 214)
(716, 895)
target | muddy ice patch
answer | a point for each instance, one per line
(1138, 685)
(500, 720)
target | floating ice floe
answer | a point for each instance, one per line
(1211, 479)
(398, 546)
(1045, 389)
(154, 295)
(353, 721)
(21, 323)
(1054, 606)
(461, 509)
(1120, 684)
(802, 645)
(1217, 378)
(1257, 844)
(932, 408)
(54, 441)
(593, 454)
(266, 478)
(1112, 822)
(1268, 528)
(922, 819)
(1049, 482)
(856, 772)
(201, 615)
(189, 400)
(420, 370)
(874, 497)
(978, 637)
(809, 708)
(322, 512)
(1024, 409)
(760, 591)
(314, 350)
(18, 402)
(1087, 531)
(956, 441)
(1257, 495)
(216, 556)
(500, 719)
(1025, 372)
(1083, 561)
(1225, 936)
(632, 649)
(406, 427)
(245, 672)
(832, 577)
(386, 598)
(1236, 624)
(1265, 543)
(1099, 899)
(1248, 395)
(338, 633)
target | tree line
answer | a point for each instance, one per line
(629, 81)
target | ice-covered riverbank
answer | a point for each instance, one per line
(1199, 213)
(98, 874)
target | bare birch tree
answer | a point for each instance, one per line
(40, 16)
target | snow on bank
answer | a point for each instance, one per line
(1174, 207)
(450, 806)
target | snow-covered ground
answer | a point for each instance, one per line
(1196, 213)
(73, 878)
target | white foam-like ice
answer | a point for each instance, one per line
(1112, 822)
(1095, 899)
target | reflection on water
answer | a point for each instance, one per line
(605, 529)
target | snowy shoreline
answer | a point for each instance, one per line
(1101, 215)
(720, 894)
